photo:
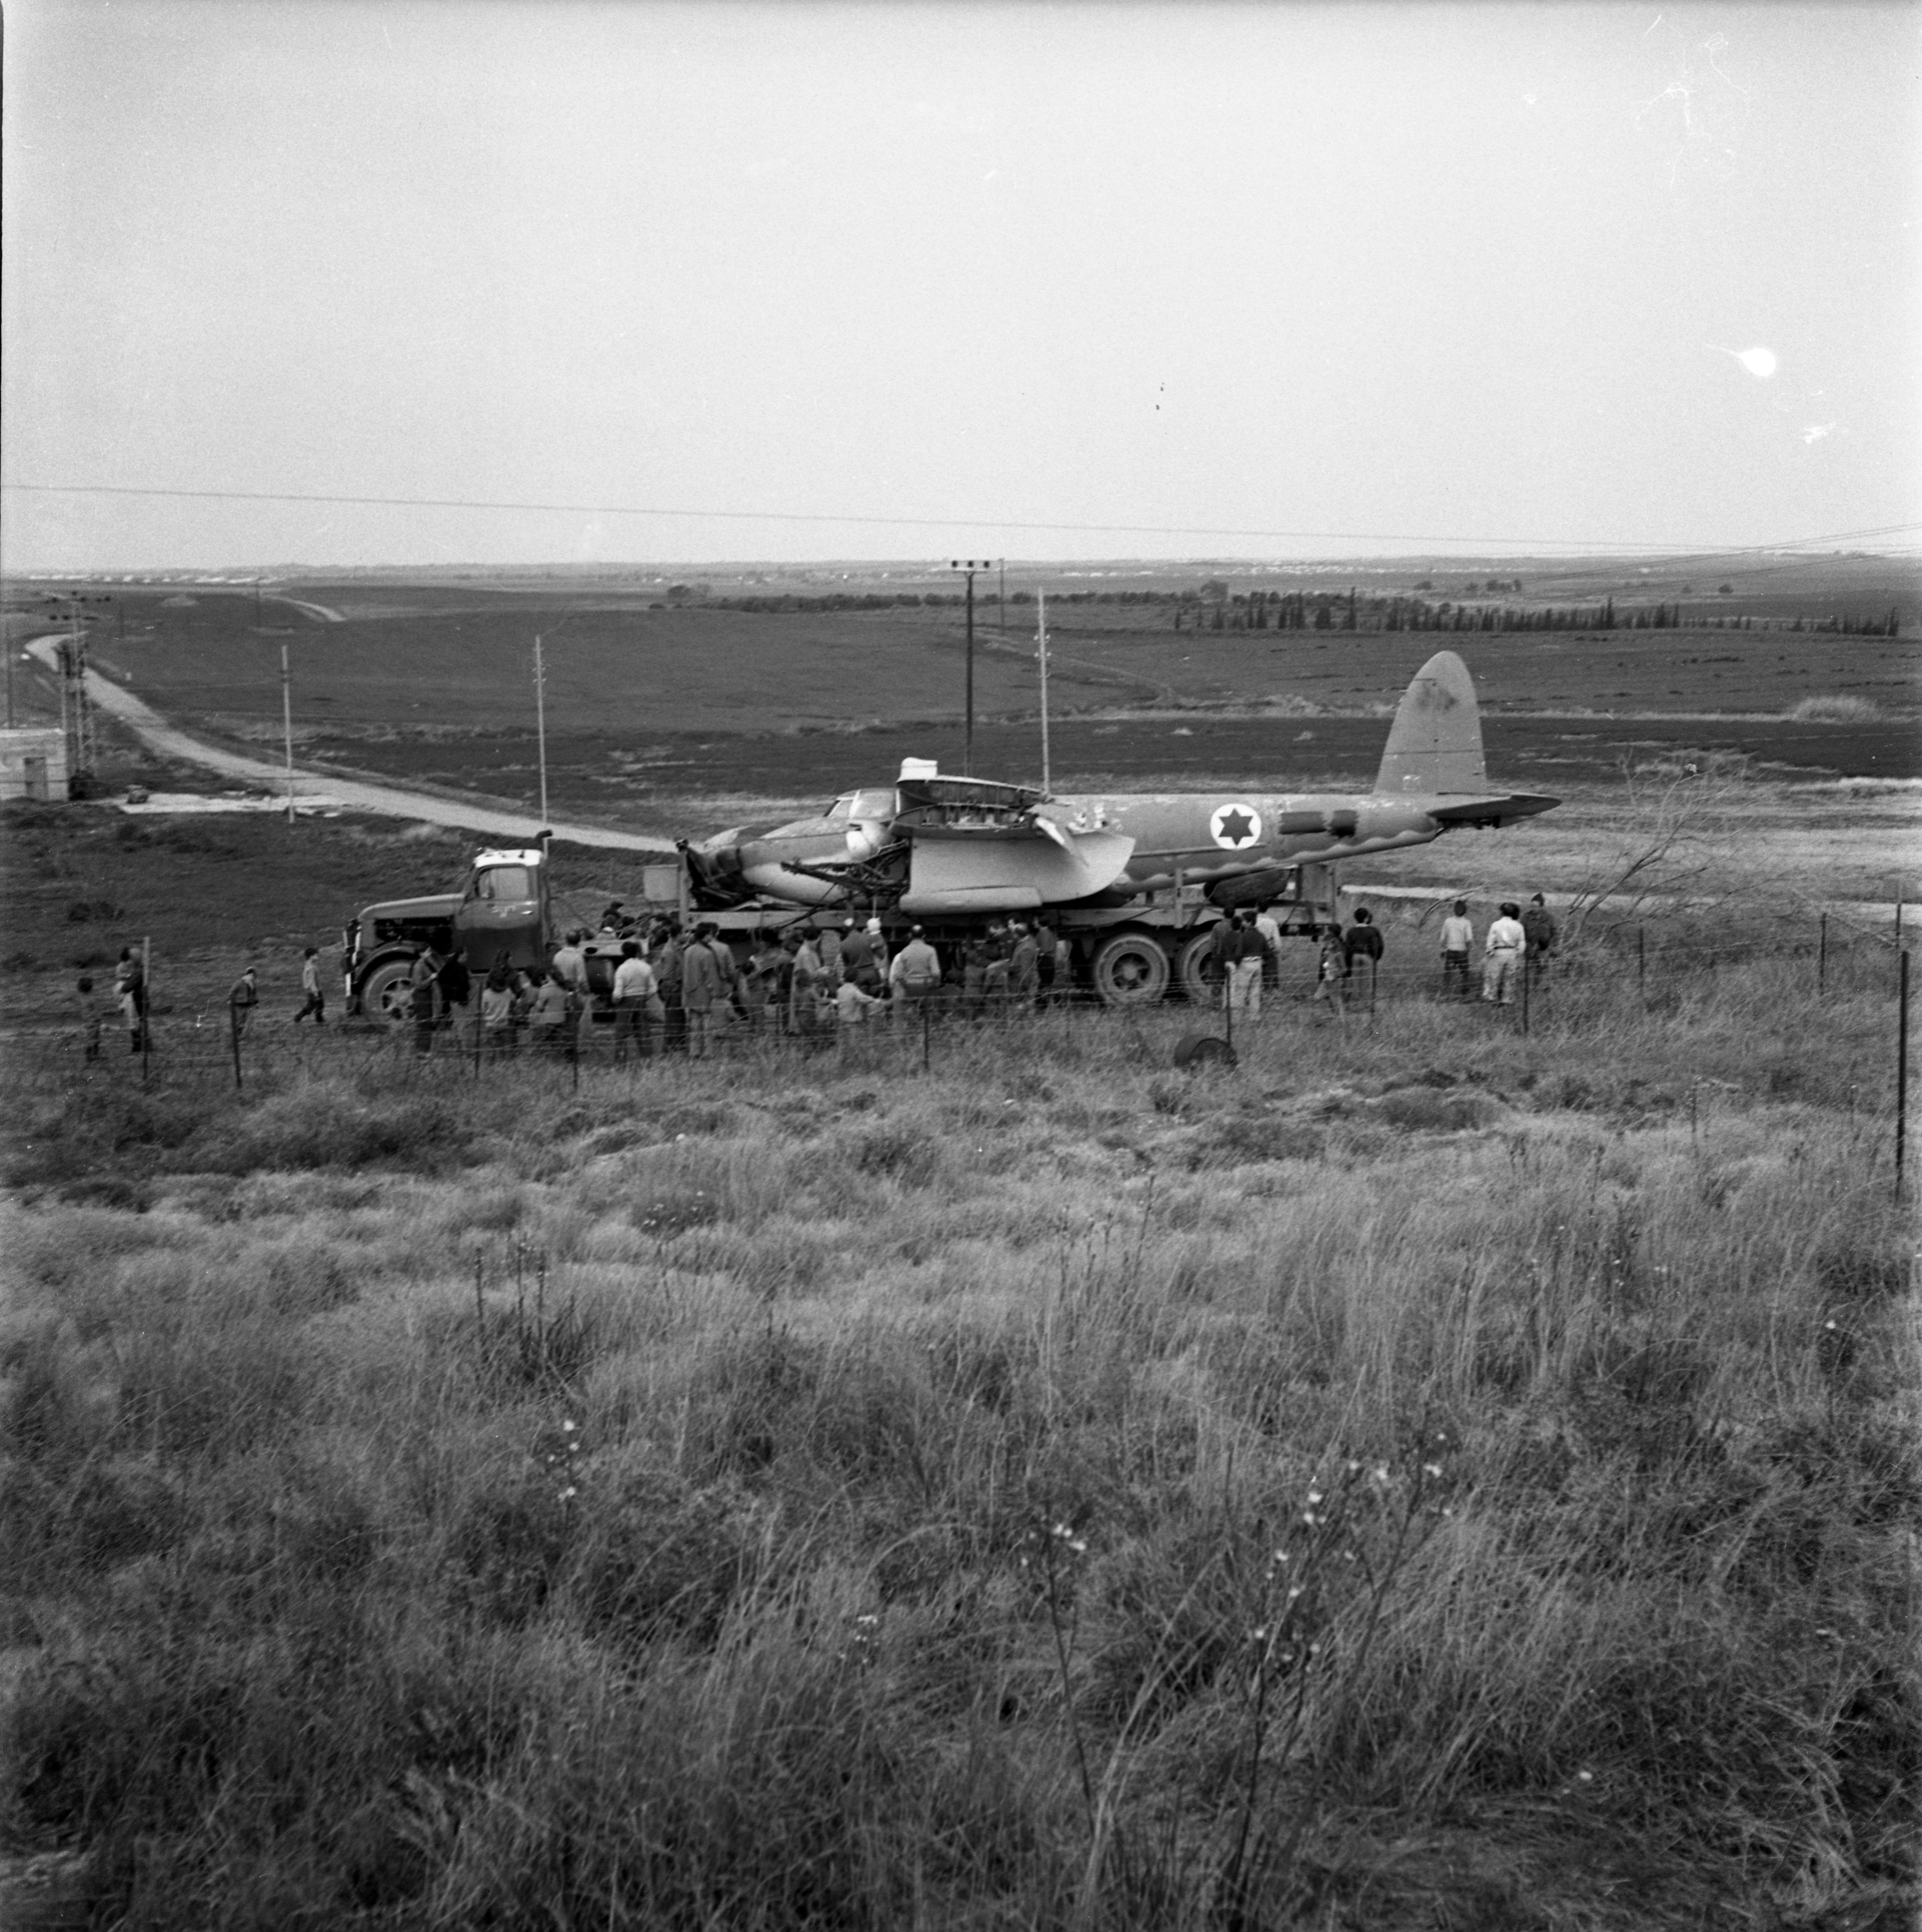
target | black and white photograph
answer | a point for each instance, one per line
(956, 960)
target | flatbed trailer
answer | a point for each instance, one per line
(1123, 954)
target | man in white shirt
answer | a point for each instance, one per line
(914, 973)
(1269, 927)
(634, 986)
(1501, 956)
(1457, 941)
(571, 963)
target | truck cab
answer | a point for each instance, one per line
(499, 915)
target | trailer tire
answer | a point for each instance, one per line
(1131, 969)
(387, 993)
(1191, 965)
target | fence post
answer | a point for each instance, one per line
(146, 1003)
(1527, 973)
(234, 1032)
(1901, 1071)
(1821, 958)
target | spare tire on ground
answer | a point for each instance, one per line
(1196, 1052)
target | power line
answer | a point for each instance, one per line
(1522, 544)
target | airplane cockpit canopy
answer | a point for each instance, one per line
(877, 802)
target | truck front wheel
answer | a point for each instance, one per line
(386, 995)
(1129, 970)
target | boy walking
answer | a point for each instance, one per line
(313, 999)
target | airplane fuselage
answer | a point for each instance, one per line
(1205, 836)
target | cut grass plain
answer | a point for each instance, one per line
(1426, 1478)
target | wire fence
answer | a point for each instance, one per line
(1630, 974)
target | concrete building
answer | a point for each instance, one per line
(33, 762)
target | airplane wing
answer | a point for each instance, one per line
(1490, 811)
(1015, 868)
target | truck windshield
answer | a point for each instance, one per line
(505, 882)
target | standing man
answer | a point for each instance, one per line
(1501, 956)
(129, 989)
(634, 986)
(548, 1032)
(857, 960)
(1269, 927)
(496, 1012)
(707, 974)
(570, 962)
(1457, 941)
(421, 980)
(668, 960)
(1362, 940)
(1048, 946)
(242, 997)
(1332, 971)
(1024, 965)
(1241, 953)
(313, 999)
(1236, 944)
(995, 967)
(457, 989)
(915, 973)
(1538, 923)
(804, 978)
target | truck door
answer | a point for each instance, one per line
(501, 919)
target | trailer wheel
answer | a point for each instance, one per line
(1190, 963)
(386, 995)
(1129, 970)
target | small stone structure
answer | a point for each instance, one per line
(33, 762)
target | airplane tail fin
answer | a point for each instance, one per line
(1435, 742)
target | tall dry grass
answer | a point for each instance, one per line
(1427, 1472)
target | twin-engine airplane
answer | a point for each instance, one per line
(934, 845)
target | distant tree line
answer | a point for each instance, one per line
(1212, 608)
(1325, 610)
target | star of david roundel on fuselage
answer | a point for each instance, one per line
(1235, 827)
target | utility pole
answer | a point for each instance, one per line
(1042, 651)
(540, 718)
(969, 565)
(76, 723)
(1001, 600)
(286, 724)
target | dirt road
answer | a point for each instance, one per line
(154, 731)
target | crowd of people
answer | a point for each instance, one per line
(677, 989)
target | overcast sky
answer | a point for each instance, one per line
(1412, 273)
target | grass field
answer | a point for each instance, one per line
(1430, 1477)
